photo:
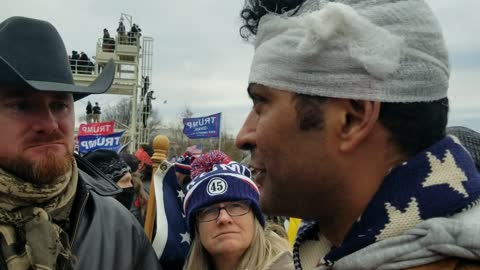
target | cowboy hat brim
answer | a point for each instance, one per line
(10, 76)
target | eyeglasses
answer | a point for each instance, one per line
(234, 209)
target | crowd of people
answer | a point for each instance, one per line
(81, 63)
(348, 131)
(131, 37)
(108, 43)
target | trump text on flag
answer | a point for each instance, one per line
(202, 127)
(94, 142)
(103, 128)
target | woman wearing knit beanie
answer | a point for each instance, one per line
(225, 221)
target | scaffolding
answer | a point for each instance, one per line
(146, 92)
(129, 51)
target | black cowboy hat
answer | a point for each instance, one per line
(32, 55)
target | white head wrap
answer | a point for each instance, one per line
(384, 50)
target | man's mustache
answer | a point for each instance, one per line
(55, 137)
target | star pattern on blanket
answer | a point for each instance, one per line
(398, 221)
(185, 237)
(180, 194)
(445, 172)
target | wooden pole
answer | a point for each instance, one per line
(160, 151)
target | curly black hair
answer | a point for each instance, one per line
(253, 11)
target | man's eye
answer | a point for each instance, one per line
(59, 106)
(258, 101)
(19, 106)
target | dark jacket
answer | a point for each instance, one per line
(89, 109)
(96, 110)
(103, 233)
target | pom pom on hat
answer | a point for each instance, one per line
(226, 181)
(206, 161)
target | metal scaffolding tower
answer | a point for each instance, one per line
(129, 51)
(146, 92)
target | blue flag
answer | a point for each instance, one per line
(93, 142)
(202, 127)
(172, 240)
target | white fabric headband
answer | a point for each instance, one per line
(389, 53)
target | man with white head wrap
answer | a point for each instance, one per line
(348, 128)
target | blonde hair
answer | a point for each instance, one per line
(265, 246)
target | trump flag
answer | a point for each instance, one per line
(95, 142)
(202, 127)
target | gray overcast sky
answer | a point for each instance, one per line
(201, 62)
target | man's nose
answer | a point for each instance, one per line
(44, 121)
(246, 137)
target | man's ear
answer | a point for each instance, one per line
(359, 119)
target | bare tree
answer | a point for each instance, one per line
(119, 112)
(186, 113)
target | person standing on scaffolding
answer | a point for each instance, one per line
(74, 61)
(134, 35)
(147, 108)
(146, 84)
(121, 32)
(108, 44)
(89, 112)
(96, 113)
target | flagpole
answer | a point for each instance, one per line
(160, 148)
(220, 135)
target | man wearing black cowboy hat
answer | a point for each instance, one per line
(55, 208)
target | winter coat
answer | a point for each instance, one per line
(103, 233)
(283, 261)
(89, 109)
(96, 110)
(451, 243)
(450, 264)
